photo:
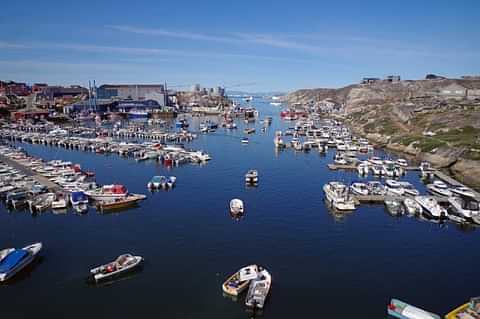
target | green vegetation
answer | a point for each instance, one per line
(409, 139)
(387, 127)
(429, 144)
(465, 136)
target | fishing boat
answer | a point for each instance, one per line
(469, 310)
(439, 188)
(259, 289)
(338, 195)
(236, 206)
(251, 177)
(403, 310)
(122, 265)
(430, 207)
(17, 259)
(119, 203)
(108, 192)
(239, 281)
(412, 207)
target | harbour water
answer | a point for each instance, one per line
(323, 265)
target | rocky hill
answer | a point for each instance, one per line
(436, 120)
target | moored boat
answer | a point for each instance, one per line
(236, 206)
(430, 207)
(239, 281)
(338, 195)
(259, 289)
(469, 310)
(439, 188)
(17, 259)
(251, 177)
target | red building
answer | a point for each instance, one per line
(39, 87)
(30, 113)
(14, 88)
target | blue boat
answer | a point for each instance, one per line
(403, 310)
(78, 198)
(16, 259)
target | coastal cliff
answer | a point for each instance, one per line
(434, 120)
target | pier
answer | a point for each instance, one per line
(27, 171)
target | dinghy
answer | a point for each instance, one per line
(238, 282)
(468, 310)
(15, 260)
(122, 265)
(259, 289)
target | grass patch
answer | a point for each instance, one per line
(465, 136)
(429, 144)
(409, 139)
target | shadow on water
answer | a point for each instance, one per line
(24, 273)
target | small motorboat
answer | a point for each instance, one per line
(337, 194)
(239, 281)
(245, 140)
(439, 188)
(359, 188)
(60, 201)
(403, 310)
(394, 187)
(363, 168)
(430, 207)
(462, 191)
(156, 182)
(122, 265)
(464, 206)
(402, 162)
(412, 207)
(171, 181)
(15, 260)
(236, 206)
(251, 177)
(408, 189)
(78, 198)
(119, 203)
(394, 206)
(259, 289)
(376, 188)
(468, 310)
(377, 170)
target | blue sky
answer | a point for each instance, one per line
(247, 45)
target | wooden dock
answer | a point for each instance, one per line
(380, 199)
(27, 171)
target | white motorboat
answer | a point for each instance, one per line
(363, 168)
(108, 192)
(251, 177)
(15, 260)
(236, 206)
(430, 207)
(202, 156)
(375, 160)
(465, 206)
(60, 201)
(462, 191)
(402, 162)
(394, 187)
(408, 189)
(123, 264)
(412, 207)
(377, 170)
(339, 159)
(439, 188)
(259, 289)
(338, 195)
(393, 206)
(359, 188)
(376, 188)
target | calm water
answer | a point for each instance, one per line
(322, 265)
